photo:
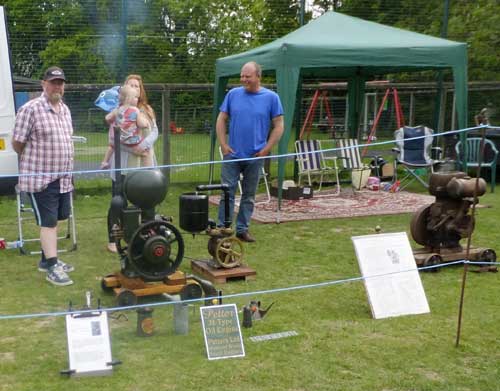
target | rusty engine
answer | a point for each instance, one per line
(445, 222)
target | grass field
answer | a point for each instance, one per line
(339, 346)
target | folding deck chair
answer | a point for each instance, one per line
(25, 213)
(311, 162)
(413, 154)
(351, 160)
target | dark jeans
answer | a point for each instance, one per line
(230, 175)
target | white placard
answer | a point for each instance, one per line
(398, 290)
(89, 348)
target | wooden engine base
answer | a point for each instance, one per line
(222, 275)
(128, 290)
(424, 257)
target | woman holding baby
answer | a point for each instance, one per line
(136, 149)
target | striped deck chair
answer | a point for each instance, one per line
(350, 156)
(310, 162)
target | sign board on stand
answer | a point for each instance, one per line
(222, 332)
(89, 348)
(390, 275)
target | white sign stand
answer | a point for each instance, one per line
(396, 288)
(89, 348)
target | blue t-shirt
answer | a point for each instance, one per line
(250, 118)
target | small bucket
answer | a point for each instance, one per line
(145, 327)
(359, 177)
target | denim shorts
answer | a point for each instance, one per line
(49, 205)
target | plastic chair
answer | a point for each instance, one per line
(473, 149)
(311, 162)
(413, 154)
(263, 176)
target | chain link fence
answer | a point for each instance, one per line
(185, 125)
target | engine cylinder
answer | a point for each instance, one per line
(439, 180)
(193, 212)
(464, 187)
(145, 189)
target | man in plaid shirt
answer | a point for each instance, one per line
(42, 139)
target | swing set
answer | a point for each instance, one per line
(400, 120)
(307, 125)
(321, 97)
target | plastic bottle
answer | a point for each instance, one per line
(14, 244)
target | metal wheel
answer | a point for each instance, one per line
(156, 250)
(488, 255)
(191, 291)
(418, 225)
(229, 252)
(126, 298)
(432, 260)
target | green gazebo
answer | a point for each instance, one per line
(339, 46)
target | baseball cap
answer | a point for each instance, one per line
(54, 73)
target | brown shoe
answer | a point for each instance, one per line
(245, 236)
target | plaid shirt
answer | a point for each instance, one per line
(48, 152)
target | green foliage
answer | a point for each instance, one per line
(478, 23)
(74, 55)
(179, 40)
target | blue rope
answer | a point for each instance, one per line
(193, 164)
(243, 294)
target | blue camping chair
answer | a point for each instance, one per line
(413, 155)
(473, 148)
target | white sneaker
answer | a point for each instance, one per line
(67, 268)
(57, 276)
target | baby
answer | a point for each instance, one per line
(134, 126)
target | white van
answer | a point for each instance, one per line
(8, 157)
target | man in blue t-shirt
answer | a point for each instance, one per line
(255, 125)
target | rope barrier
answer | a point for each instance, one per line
(193, 164)
(242, 294)
(268, 291)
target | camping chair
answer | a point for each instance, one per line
(413, 154)
(473, 147)
(263, 176)
(351, 161)
(25, 213)
(311, 162)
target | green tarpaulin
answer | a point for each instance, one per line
(339, 46)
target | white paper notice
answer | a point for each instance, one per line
(398, 289)
(89, 348)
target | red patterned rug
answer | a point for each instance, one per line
(325, 205)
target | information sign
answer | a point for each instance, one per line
(391, 277)
(222, 332)
(89, 347)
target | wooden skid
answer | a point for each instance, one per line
(421, 254)
(171, 285)
(222, 276)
